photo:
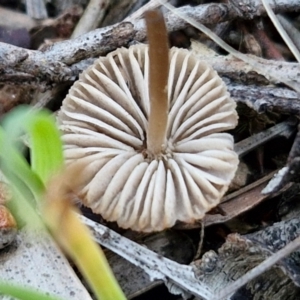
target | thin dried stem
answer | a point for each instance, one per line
(281, 31)
(158, 80)
(291, 30)
(253, 62)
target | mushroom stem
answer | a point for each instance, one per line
(158, 80)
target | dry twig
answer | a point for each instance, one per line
(54, 64)
(93, 15)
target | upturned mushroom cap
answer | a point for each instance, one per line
(104, 120)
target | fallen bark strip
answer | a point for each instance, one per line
(18, 65)
(265, 98)
(249, 261)
(179, 278)
(246, 198)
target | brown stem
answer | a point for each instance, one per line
(267, 45)
(158, 80)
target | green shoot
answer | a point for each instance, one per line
(46, 180)
(23, 293)
(45, 143)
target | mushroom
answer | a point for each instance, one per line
(149, 163)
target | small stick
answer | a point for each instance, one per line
(200, 244)
(91, 18)
(158, 80)
(284, 128)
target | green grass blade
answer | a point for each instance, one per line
(45, 143)
(26, 186)
(15, 167)
(24, 293)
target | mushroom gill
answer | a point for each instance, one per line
(105, 124)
